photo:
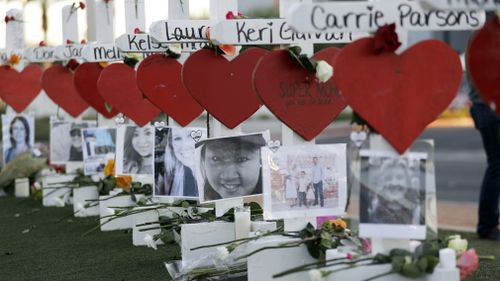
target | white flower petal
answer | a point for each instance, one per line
(148, 239)
(109, 212)
(324, 71)
(222, 253)
(58, 201)
(315, 275)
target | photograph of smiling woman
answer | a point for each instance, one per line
(18, 135)
(393, 191)
(174, 161)
(230, 167)
(136, 153)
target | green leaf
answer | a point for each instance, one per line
(381, 258)
(432, 262)
(397, 263)
(108, 107)
(295, 51)
(185, 204)
(313, 248)
(307, 63)
(422, 264)
(326, 240)
(399, 252)
(411, 270)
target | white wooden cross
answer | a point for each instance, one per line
(103, 49)
(14, 42)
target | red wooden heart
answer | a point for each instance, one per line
(85, 81)
(398, 95)
(159, 78)
(295, 96)
(483, 61)
(19, 89)
(117, 85)
(57, 82)
(224, 88)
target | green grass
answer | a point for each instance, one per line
(57, 251)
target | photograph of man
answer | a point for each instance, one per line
(317, 180)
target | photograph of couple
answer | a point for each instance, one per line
(306, 180)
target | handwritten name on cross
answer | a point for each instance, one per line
(369, 16)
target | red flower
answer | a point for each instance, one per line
(229, 15)
(240, 15)
(7, 19)
(349, 256)
(82, 5)
(69, 42)
(468, 263)
(137, 30)
(72, 64)
(83, 41)
(386, 39)
(42, 44)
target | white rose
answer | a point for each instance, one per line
(324, 71)
(37, 186)
(80, 209)
(109, 212)
(148, 239)
(458, 244)
(222, 253)
(175, 48)
(58, 201)
(315, 275)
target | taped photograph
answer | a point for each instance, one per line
(174, 161)
(99, 146)
(18, 135)
(230, 167)
(304, 181)
(66, 140)
(134, 150)
(392, 195)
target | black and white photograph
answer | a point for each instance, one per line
(134, 150)
(230, 167)
(99, 145)
(174, 160)
(18, 135)
(392, 195)
(66, 140)
(304, 181)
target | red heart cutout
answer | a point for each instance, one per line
(117, 85)
(398, 95)
(85, 80)
(159, 78)
(19, 89)
(483, 61)
(224, 88)
(57, 81)
(295, 96)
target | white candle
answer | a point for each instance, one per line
(447, 258)
(22, 187)
(242, 222)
